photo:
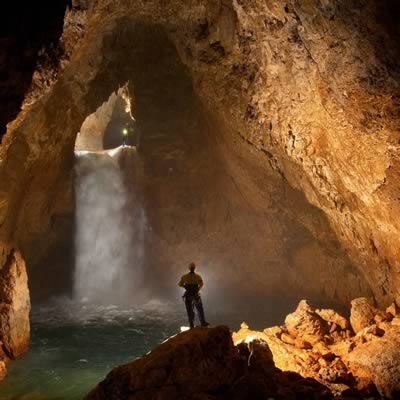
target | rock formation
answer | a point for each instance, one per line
(322, 345)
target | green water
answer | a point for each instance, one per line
(74, 346)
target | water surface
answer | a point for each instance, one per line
(73, 346)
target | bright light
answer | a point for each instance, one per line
(184, 328)
(125, 131)
(250, 338)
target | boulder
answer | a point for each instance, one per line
(305, 321)
(362, 314)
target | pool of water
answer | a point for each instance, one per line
(73, 346)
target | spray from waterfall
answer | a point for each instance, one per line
(110, 227)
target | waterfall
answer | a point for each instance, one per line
(110, 227)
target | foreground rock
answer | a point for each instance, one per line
(320, 344)
(14, 308)
(204, 364)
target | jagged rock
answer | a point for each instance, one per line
(368, 333)
(343, 347)
(334, 317)
(201, 364)
(243, 325)
(313, 339)
(362, 314)
(287, 339)
(302, 344)
(347, 364)
(377, 362)
(393, 310)
(305, 321)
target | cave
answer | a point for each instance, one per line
(259, 140)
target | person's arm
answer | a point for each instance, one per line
(201, 284)
(181, 282)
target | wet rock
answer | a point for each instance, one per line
(362, 314)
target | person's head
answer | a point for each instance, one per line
(192, 266)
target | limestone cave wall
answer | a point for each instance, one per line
(270, 139)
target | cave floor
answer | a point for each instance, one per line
(73, 346)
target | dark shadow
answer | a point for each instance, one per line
(54, 276)
(389, 16)
(25, 29)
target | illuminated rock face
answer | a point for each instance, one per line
(337, 356)
(270, 140)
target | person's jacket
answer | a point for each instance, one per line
(192, 283)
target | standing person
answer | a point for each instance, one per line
(192, 283)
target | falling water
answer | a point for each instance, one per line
(110, 226)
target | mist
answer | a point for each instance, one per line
(110, 228)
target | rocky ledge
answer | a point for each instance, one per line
(316, 354)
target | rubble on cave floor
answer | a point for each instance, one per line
(316, 354)
(359, 358)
